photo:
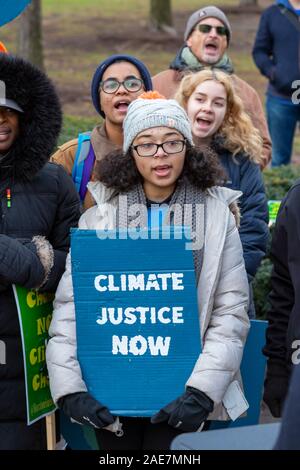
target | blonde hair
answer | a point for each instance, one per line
(237, 129)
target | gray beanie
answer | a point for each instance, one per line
(207, 12)
(146, 113)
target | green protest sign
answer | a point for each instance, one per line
(35, 313)
(273, 206)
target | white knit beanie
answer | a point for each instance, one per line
(146, 113)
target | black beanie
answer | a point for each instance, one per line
(146, 77)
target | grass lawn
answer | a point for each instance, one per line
(111, 8)
(72, 125)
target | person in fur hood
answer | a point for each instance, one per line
(39, 205)
(159, 165)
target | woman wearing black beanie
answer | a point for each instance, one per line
(118, 80)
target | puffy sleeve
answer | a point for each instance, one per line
(63, 367)
(226, 332)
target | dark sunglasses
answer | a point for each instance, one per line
(206, 28)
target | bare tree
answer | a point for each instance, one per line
(161, 16)
(30, 45)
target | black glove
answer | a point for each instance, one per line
(187, 412)
(84, 409)
(276, 387)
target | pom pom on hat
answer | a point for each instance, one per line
(151, 95)
(153, 110)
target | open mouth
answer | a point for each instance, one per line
(211, 47)
(122, 106)
(162, 170)
(204, 123)
(4, 134)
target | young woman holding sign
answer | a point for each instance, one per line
(159, 164)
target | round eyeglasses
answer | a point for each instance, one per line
(111, 85)
(150, 149)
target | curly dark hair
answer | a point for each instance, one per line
(201, 168)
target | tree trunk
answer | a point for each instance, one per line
(161, 16)
(248, 2)
(30, 45)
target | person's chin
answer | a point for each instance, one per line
(211, 59)
(4, 148)
(200, 133)
(164, 180)
(118, 118)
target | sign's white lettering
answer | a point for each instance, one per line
(141, 282)
(138, 345)
(143, 315)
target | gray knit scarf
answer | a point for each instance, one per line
(192, 63)
(187, 207)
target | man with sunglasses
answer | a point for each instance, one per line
(118, 81)
(207, 37)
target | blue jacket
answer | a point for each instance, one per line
(244, 175)
(276, 50)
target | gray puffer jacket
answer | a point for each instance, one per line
(222, 300)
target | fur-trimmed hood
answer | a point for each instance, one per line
(40, 123)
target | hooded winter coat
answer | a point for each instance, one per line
(34, 232)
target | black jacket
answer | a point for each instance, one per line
(44, 203)
(283, 332)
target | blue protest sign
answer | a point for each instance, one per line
(138, 334)
(10, 9)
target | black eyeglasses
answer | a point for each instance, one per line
(206, 28)
(150, 149)
(111, 85)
